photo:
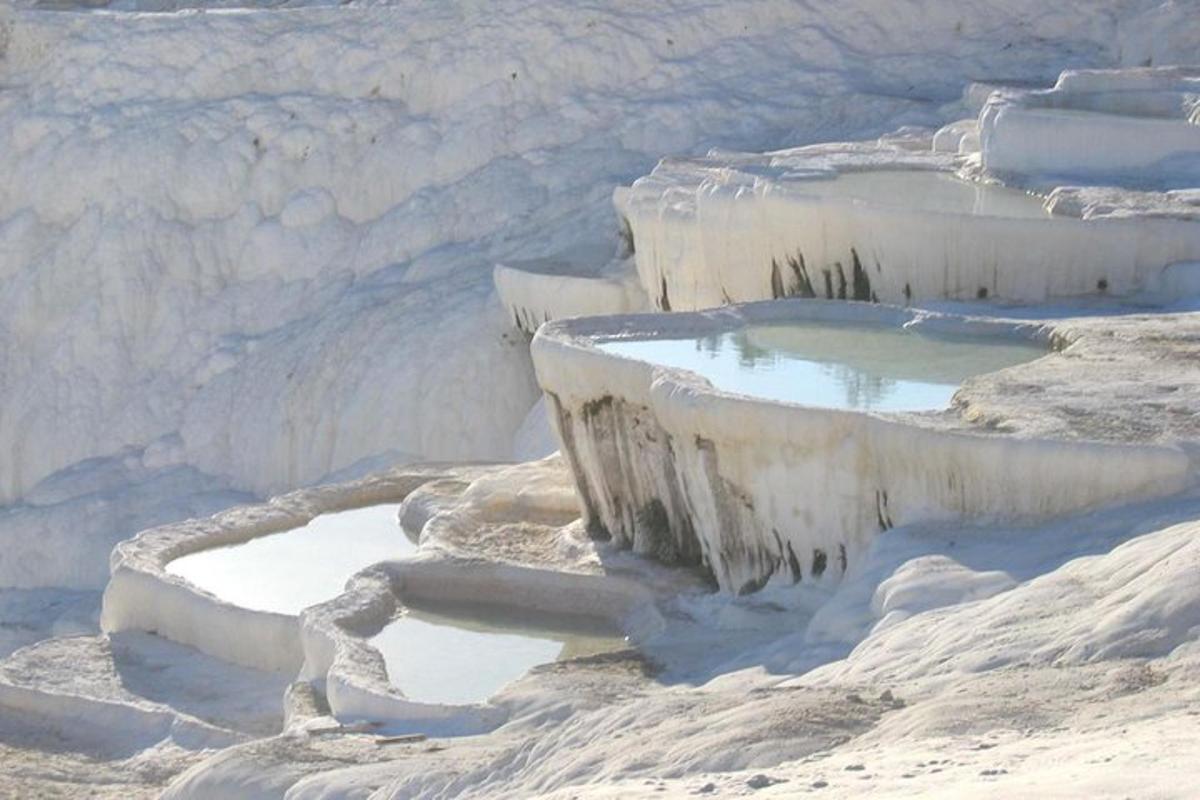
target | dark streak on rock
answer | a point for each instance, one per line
(793, 563)
(862, 282)
(596, 530)
(841, 276)
(780, 548)
(881, 510)
(799, 284)
(753, 585)
(634, 493)
(803, 284)
(525, 320)
(594, 408)
(595, 526)
(735, 515)
(664, 302)
(628, 247)
(652, 519)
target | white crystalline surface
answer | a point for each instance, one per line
(244, 250)
(265, 238)
(956, 662)
(289, 571)
(860, 367)
(259, 243)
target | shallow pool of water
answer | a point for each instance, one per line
(465, 654)
(834, 365)
(929, 191)
(288, 572)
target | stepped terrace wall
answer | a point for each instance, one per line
(755, 490)
(1138, 126)
(723, 231)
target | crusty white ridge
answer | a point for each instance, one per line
(756, 491)
(254, 252)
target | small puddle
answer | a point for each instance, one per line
(834, 365)
(460, 654)
(289, 571)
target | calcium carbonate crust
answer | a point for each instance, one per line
(755, 490)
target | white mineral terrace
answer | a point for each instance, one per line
(425, 644)
(1135, 126)
(863, 468)
(255, 568)
(720, 230)
(325, 582)
(757, 490)
(534, 292)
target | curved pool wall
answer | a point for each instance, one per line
(288, 572)
(538, 292)
(719, 235)
(754, 490)
(1098, 124)
(143, 595)
(336, 635)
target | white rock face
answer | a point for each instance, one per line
(1127, 603)
(540, 292)
(951, 138)
(535, 438)
(186, 237)
(837, 222)
(1159, 35)
(1136, 126)
(64, 530)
